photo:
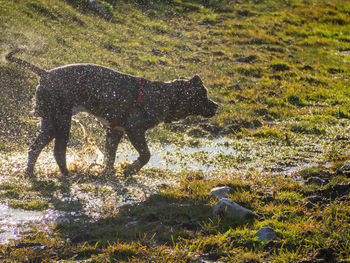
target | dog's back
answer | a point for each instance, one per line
(87, 85)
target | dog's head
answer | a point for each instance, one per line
(191, 98)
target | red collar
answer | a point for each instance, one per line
(116, 122)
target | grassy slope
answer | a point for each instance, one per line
(298, 53)
(299, 68)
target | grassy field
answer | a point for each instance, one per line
(280, 71)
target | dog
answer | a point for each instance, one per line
(124, 103)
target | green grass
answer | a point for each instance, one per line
(177, 224)
(289, 55)
(31, 205)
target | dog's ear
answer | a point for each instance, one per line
(196, 81)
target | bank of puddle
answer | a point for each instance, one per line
(217, 157)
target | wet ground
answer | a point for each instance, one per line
(89, 195)
(13, 222)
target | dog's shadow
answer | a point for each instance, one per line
(62, 191)
(58, 193)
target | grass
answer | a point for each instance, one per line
(289, 58)
(279, 70)
(177, 224)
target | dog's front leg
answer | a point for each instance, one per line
(138, 140)
(113, 138)
(62, 127)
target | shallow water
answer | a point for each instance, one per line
(219, 157)
(225, 155)
(13, 222)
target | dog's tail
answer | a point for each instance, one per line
(35, 69)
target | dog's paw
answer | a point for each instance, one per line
(108, 171)
(130, 170)
(29, 173)
(65, 173)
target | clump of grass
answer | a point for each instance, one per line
(280, 66)
(288, 197)
(307, 128)
(271, 133)
(314, 172)
(251, 71)
(124, 251)
(342, 112)
(29, 205)
(296, 101)
(333, 70)
(10, 193)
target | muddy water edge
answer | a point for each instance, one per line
(88, 196)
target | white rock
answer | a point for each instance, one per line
(227, 207)
(221, 191)
(266, 234)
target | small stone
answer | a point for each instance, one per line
(229, 208)
(96, 5)
(163, 62)
(63, 219)
(221, 192)
(156, 52)
(266, 234)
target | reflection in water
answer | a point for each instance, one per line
(15, 221)
(98, 197)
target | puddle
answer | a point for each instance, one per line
(91, 198)
(238, 156)
(13, 222)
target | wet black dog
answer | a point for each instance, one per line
(123, 102)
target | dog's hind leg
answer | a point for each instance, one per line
(45, 136)
(138, 140)
(62, 127)
(112, 140)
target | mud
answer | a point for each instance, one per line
(90, 195)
